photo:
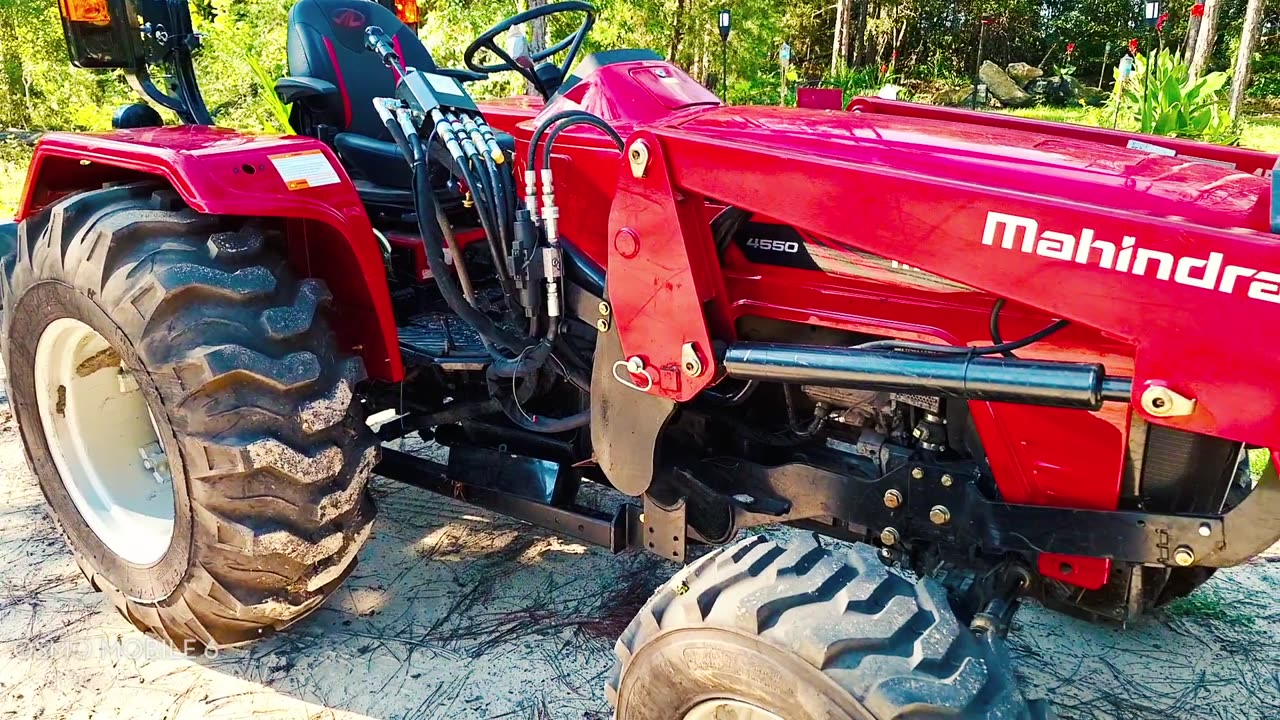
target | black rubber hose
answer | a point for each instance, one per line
(533, 423)
(567, 123)
(530, 359)
(999, 348)
(432, 240)
(532, 158)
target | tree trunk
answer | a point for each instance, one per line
(677, 31)
(859, 45)
(1193, 34)
(1248, 41)
(839, 40)
(1205, 40)
(537, 38)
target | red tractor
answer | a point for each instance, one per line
(1018, 359)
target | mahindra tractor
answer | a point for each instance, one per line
(1017, 360)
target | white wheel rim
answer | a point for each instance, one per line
(728, 710)
(104, 442)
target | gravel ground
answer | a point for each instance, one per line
(454, 614)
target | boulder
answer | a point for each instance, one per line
(954, 97)
(1064, 91)
(1002, 87)
(1023, 73)
(1092, 96)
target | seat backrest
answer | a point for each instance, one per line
(326, 41)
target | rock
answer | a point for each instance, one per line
(1064, 91)
(1092, 96)
(954, 97)
(1023, 73)
(889, 92)
(1002, 87)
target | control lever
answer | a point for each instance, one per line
(376, 40)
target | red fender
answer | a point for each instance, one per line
(224, 172)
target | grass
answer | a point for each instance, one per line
(1206, 604)
(1258, 460)
(13, 171)
(1259, 132)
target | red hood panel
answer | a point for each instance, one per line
(1018, 161)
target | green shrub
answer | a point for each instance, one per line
(1170, 103)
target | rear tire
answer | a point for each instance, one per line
(805, 633)
(250, 399)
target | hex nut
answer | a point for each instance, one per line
(889, 536)
(892, 499)
(939, 515)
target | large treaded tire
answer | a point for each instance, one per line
(806, 633)
(252, 400)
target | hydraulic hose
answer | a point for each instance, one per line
(433, 242)
(565, 124)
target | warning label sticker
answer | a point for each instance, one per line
(302, 170)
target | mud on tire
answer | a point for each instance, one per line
(805, 633)
(250, 397)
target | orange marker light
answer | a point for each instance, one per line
(407, 11)
(93, 12)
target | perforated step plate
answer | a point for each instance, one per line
(444, 340)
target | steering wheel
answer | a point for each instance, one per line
(489, 41)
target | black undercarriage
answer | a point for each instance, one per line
(902, 471)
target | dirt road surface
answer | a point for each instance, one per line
(454, 614)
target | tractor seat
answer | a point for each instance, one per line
(333, 80)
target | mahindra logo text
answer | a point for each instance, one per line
(1207, 273)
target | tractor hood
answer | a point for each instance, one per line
(1021, 162)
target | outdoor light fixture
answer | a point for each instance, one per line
(726, 24)
(1152, 15)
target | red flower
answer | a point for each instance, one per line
(1133, 46)
(894, 56)
(1160, 23)
(1071, 48)
(884, 69)
(1197, 10)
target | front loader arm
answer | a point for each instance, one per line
(1193, 334)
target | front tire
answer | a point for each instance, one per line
(221, 357)
(759, 630)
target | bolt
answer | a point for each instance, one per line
(1183, 556)
(892, 499)
(917, 473)
(1205, 530)
(947, 480)
(605, 309)
(939, 515)
(889, 536)
(602, 325)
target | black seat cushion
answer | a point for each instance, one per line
(326, 42)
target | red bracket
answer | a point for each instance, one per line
(661, 265)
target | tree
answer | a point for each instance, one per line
(538, 39)
(1248, 40)
(840, 44)
(1205, 40)
(1193, 31)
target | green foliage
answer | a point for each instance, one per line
(1169, 103)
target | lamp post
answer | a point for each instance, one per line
(726, 26)
(977, 70)
(1151, 14)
